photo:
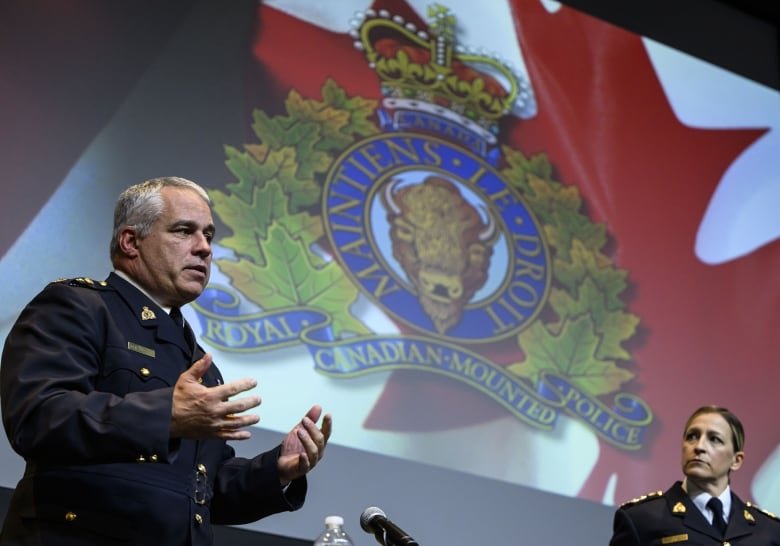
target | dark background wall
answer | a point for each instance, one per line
(739, 35)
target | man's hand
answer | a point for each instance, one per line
(304, 445)
(207, 412)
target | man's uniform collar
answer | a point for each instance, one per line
(132, 281)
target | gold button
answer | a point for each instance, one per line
(103, 283)
(198, 519)
(202, 468)
(145, 372)
(153, 458)
(140, 459)
(70, 516)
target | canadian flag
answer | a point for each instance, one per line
(651, 170)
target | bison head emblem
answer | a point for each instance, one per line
(442, 244)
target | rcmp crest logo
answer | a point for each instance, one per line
(433, 234)
(412, 205)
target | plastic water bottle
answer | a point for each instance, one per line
(334, 533)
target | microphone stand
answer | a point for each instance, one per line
(383, 538)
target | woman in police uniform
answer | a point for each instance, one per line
(702, 509)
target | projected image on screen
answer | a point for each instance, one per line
(512, 241)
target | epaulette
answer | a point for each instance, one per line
(643, 498)
(83, 282)
(767, 513)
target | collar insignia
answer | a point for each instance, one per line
(678, 508)
(748, 516)
(147, 314)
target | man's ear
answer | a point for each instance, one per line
(128, 241)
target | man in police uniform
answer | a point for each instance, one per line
(701, 509)
(120, 416)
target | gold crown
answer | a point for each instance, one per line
(421, 68)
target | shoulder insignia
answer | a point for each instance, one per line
(83, 282)
(643, 498)
(767, 513)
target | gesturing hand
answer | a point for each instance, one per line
(304, 445)
(207, 412)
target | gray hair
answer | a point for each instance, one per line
(140, 205)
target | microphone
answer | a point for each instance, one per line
(373, 520)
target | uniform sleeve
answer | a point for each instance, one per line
(624, 532)
(249, 489)
(52, 359)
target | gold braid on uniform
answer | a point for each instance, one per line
(767, 513)
(643, 498)
(84, 282)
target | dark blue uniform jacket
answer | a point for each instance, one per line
(672, 518)
(86, 389)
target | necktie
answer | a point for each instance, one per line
(178, 319)
(716, 506)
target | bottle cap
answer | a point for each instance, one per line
(334, 520)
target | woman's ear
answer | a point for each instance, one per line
(739, 457)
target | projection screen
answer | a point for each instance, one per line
(508, 246)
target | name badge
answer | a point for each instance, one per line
(140, 349)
